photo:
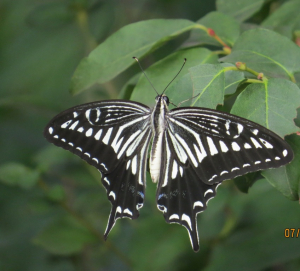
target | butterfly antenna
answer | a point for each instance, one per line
(137, 60)
(175, 76)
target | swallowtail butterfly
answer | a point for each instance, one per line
(194, 149)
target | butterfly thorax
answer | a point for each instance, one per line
(158, 121)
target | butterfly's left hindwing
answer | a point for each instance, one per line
(112, 136)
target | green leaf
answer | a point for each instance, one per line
(285, 20)
(240, 10)
(232, 79)
(115, 54)
(162, 72)
(208, 81)
(266, 51)
(18, 175)
(287, 179)
(226, 27)
(272, 105)
(64, 237)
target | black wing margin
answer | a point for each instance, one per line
(114, 137)
(204, 147)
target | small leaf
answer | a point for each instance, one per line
(226, 27)
(266, 51)
(272, 105)
(285, 20)
(162, 72)
(19, 175)
(240, 10)
(209, 81)
(64, 237)
(287, 179)
(115, 54)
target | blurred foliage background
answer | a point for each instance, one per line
(53, 209)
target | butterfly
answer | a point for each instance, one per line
(193, 151)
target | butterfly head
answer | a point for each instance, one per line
(163, 98)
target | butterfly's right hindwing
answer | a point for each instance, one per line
(112, 136)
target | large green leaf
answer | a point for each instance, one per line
(226, 27)
(162, 72)
(209, 82)
(272, 105)
(240, 10)
(266, 51)
(287, 179)
(285, 19)
(18, 174)
(115, 54)
(64, 237)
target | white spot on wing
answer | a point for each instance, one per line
(112, 194)
(247, 146)
(257, 162)
(235, 168)
(71, 144)
(277, 158)
(208, 191)
(214, 176)
(186, 218)
(89, 132)
(106, 180)
(198, 203)
(73, 126)
(119, 210)
(174, 216)
(96, 160)
(98, 134)
(268, 160)
(254, 131)
(50, 130)
(87, 154)
(266, 143)
(223, 146)
(80, 129)
(256, 144)
(181, 171)
(235, 146)
(134, 165)
(246, 165)
(127, 211)
(66, 124)
(223, 172)
(107, 136)
(75, 114)
(285, 153)
(212, 147)
(79, 149)
(174, 170)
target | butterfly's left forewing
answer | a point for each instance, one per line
(112, 136)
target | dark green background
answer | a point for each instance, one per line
(41, 44)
